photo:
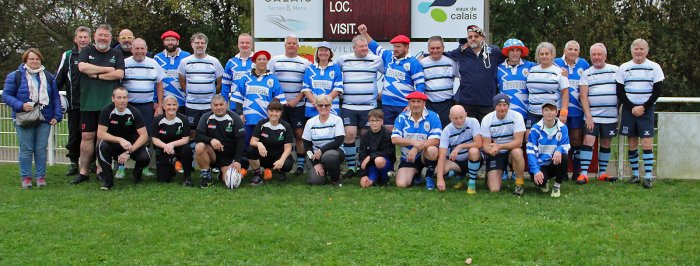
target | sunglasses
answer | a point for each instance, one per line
(324, 105)
(126, 37)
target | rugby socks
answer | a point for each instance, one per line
(576, 158)
(350, 151)
(473, 167)
(633, 157)
(372, 173)
(301, 158)
(585, 155)
(648, 157)
(603, 159)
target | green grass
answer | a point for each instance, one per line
(292, 223)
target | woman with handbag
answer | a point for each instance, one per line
(32, 94)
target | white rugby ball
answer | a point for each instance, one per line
(232, 179)
(64, 104)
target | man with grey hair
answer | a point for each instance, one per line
(599, 102)
(639, 86)
(289, 69)
(102, 67)
(237, 66)
(359, 96)
(68, 77)
(143, 79)
(440, 73)
(125, 39)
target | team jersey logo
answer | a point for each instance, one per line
(162, 132)
(211, 126)
(113, 60)
(558, 136)
(270, 82)
(426, 126)
(129, 122)
(179, 130)
(331, 75)
(264, 135)
(113, 122)
(407, 66)
(229, 128)
(526, 72)
(625, 130)
(580, 72)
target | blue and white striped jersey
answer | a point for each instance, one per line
(321, 134)
(602, 97)
(170, 64)
(140, 79)
(234, 69)
(290, 73)
(512, 82)
(502, 130)
(575, 73)
(360, 81)
(541, 146)
(439, 78)
(322, 82)
(639, 79)
(403, 76)
(427, 127)
(452, 136)
(545, 85)
(256, 93)
(201, 75)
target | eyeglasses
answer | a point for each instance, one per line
(324, 105)
(126, 37)
(375, 120)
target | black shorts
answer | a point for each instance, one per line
(193, 116)
(417, 164)
(391, 113)
(442, 109)
(642, 126)
(497, 162)
(531, 120)
(355, 118)
(603, 130)
(224, 158)
(575, 122)
(89, 121)
(295, 116)
(463, 166)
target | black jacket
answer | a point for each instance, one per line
(68, 77)
(377, 144)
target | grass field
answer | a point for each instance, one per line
(292, 223)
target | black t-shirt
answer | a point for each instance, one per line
(273, 137)
(227, 128)
(122, 124)
(95, 94)
(171, 130)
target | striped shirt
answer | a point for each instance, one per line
(360, 81)
(256, 93)
(575, 73)
(140, 79)
(502, 130)
(290, 73)
(602, 97)
(320, 133)
(426, 127)
(322, 82)
(403, 76)
(545, 85)
(235, 69)
(639, 79)
(511, 81)
(542, 145)
(439, 78)
(452, 136)
(171, 83)
(201, 75)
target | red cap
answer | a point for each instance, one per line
(170, 34)
(259, 53)
(417, 95)
(400, 39)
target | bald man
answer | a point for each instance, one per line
(125, 39)
(460, 142)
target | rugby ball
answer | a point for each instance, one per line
(64, 104)
(232, 179)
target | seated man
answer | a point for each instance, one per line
(220, 139)
(460, 142)
(417, 131)
(377, 153)
(502, 133)
(122, 135)
(547, 144)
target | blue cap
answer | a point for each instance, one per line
(501, 98)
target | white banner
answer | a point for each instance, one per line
(447, 18)
(280, 18)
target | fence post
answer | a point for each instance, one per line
(52, 145)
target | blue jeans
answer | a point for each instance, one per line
(33, 142)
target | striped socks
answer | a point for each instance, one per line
(350, 151)
(648, 157)
(633, 157)
(603, 159)
(586, 155)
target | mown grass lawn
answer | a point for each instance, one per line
(292, 223)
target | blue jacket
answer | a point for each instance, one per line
(16, 97)
(478, 81)
(542, 146)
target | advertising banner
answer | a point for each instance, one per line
(384, 19)
(447, 18)
(280, 18)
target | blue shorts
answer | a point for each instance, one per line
(575, 122)
(391, 113)
(603, 130)
(633, 126)
(355, 118)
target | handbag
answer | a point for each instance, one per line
(31, 118)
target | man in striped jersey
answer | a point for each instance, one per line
(639, 86)
(599, 102)
(502, 133)
(143, 79)
(200, 78)
(237, 66)
(440, 73)
(289, 69)
(359, 95)
(170, 60)
(460, 142)
(404, 75)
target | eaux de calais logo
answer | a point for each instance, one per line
(437, 14)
